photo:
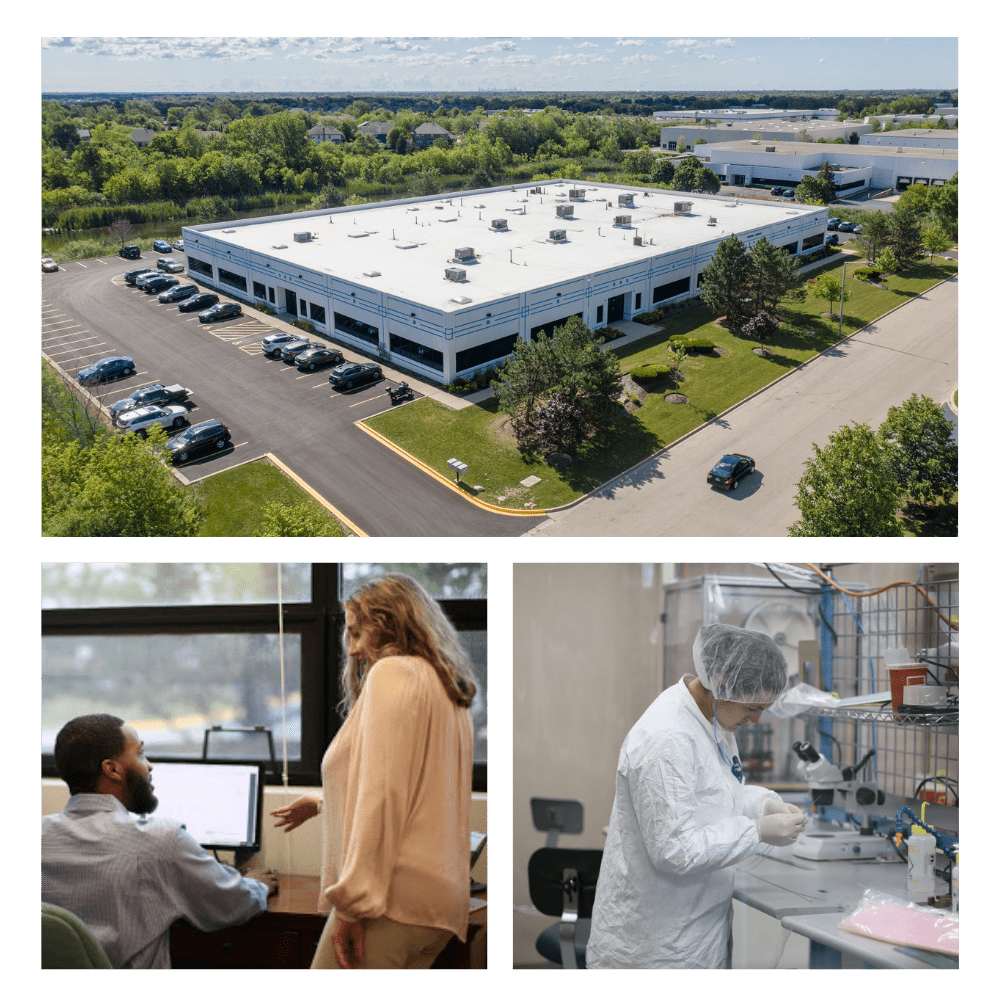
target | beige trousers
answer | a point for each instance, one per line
(388, 945)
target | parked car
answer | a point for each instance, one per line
(199, 301)
(788, 193)
(832, 222)
(314, 357)
(178, 292)
(48, 264)
(178, 244)
(832, 240)
(138, 272)
(158, 284)
(142, 418)
(846, 227)
(209, 435)
(777, 190)
(130, 252)
(172, 266)
(144, 279)
(150, 395)
(353, 373)
(114, 366)
(221, 310)
(730, 469)
(291, 350)
(162, 246)
(272, 344)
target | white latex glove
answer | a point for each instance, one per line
(773, 806)
(780, 829)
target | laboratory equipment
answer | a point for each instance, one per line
(921, 850)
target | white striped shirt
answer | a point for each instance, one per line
(129, 879)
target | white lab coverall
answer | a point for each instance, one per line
(679, 824)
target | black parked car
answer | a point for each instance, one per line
(130, 252)
(144, 279)
(198, 302)
(209, 435)
(730, 469)
(352, 374)
(832, 222)
(99, 371)
(316, 357)
(159, 284)
(138, 272)
(177, 293)
(221, 310)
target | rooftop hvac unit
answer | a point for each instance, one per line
(637, 241)
(499, 225)
(626, 200)
(557, 234)
(302, 237)
(455, 273)
(577, 193)
(711, 220)
(464, 253)
(623, 220)
(535, 191)
(683, 207)
(564, 211)
(769, 149)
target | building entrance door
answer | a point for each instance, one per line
(291, 302)
(616, 308)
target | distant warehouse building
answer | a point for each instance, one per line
(856, 168)
(807, 131)
(914, 138)
(447, 286)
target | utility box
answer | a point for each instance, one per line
(683, 207)
(577, 194)
(455, 273)
(626, 201)
(564, 211)
(464, 253)
(302, 237)
(623, 220)
(557, 235)
(499, 225)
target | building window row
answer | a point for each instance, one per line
(355, 328)
(234, 280)
(473, 357)
(416, 352)
(671, 289)
(200, 266)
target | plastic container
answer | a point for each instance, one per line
(903, 676)
(921, 850)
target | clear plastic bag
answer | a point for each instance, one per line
(888, 918)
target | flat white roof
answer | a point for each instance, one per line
(835, 152)
(411, 243)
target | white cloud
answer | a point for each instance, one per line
(587, 45)
(727, 42)
(501, 45)
(631, 41)
(640, 57)
(688, 44)
(822, 60)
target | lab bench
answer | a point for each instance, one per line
(812, 897)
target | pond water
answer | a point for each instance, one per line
(168, 229)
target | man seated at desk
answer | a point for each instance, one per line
(127, 878)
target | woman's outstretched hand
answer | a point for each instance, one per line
(294, 815)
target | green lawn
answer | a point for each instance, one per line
(478, 435)
(235, 498)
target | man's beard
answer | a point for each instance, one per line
(139, 794)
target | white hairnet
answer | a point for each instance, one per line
(736, 664)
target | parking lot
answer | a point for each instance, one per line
(270, 406)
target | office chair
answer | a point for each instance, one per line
(67, 942)
(562, 882)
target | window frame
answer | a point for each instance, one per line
(319, 622)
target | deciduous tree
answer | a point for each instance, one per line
(849, 488)
(922, 455)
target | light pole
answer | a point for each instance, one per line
(843, 281)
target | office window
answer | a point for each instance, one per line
(317, 313)
(258, 290)
(175, 649)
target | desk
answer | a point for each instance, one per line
(285, 937)
(811, 898)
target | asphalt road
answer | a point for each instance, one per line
(88, 312)
(914, 349)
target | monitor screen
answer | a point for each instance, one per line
(219, 802)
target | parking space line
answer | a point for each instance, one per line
(81, 263)
(96, 354)
(368, 400)
(50, 323)
(66, 343)
(56, 354)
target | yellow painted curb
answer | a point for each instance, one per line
(329, 506)
(447, 482)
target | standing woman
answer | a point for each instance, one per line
(397, 784)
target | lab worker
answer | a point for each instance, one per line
(684, 817)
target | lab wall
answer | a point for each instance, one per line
(587, 663)
(296, 853)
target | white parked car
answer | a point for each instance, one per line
(144, 417)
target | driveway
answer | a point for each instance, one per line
(914, 349)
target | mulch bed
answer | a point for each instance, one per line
(676, 397)
(763, 352)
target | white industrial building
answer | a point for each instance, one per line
(771, 129)
(445, 286)
(749, 114)
(913, 138)
(856, 168)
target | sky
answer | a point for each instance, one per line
(359, 64)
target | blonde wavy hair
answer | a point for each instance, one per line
(407, 622)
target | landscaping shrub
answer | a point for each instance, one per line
(650, 373)
(872, 274)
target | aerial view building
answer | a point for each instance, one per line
(445, 286)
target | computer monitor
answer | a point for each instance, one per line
(219, 802)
